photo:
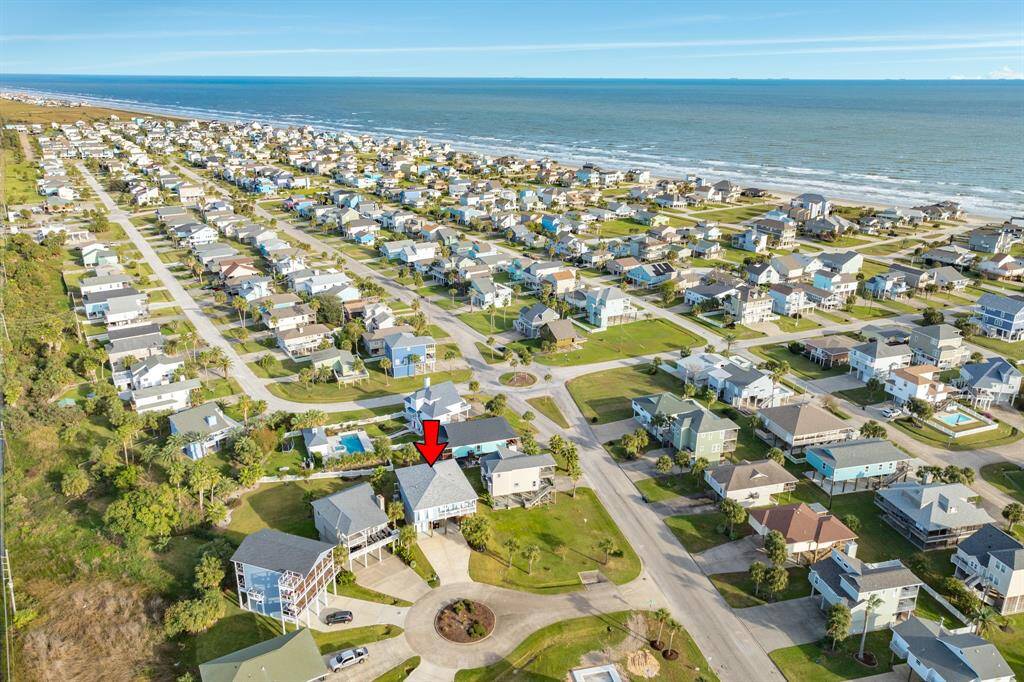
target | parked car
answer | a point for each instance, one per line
(349, 657)
(338, 617)
(891, 412)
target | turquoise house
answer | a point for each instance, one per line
(477, 437)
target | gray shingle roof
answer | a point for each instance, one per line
(276, 551)
(936, 505)
(925, 639)
(198, 420)
(476, 431)
(748, 475)
(351, 510)
(505, 459)
(860, 452)
(802, 419)
(424, 486)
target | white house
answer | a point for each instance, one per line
(163, 397)
(841, 578)
(434, 494)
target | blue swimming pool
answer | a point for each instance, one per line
(955, 419)
(351, 443)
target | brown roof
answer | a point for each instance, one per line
(748, 475)
(803, 419)
(561, 330)
(799, 523)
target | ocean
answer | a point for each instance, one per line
(888, 142)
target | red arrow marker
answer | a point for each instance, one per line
(430, 448)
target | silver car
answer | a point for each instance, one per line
(349, 657)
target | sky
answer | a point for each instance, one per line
(926, 39)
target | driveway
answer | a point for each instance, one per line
(448, 554)
(840, 382)
(732, 557)
(383, 656)
(785, 623)
(614, 430)
(363, 613)
(392, 577)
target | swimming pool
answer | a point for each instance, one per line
(955, 419)
(349, 442)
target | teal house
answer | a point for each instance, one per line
(477, 437)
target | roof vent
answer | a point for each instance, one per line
(211, 420)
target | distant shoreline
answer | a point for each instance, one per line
(783, 191)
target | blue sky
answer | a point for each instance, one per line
(811, 39)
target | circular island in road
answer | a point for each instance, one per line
(464, 621)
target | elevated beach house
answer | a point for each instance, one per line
(434, 494)
(354, 518)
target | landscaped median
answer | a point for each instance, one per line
(551, 651)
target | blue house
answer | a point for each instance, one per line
(410, 354)
(858, 464)
(551, 222)
(477, 437)
(262, 186)
(283, 576)
(1001, 317)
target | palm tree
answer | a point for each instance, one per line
(673, 626)
(531, 554)
(245, 404)
(661, 616)
(606, 545)
(511, 544)
(241, 307)
(385, 365)
(872, 604)
(986, 620)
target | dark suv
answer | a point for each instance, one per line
(338, 617)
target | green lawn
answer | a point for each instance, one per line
(606, 395)
(548, 653)
(277, 369)
(491, 356)
(889, 248)
(1011, 350)
(661, 488)
(832, 316)
(400, 671)
(873, 267)
(739, 331)
(931, 436)
(929, 607)
(1006, 476)
(1010, 643)
(282, 506)
(357, 591)
(619, 228)
(792, 324)
(734, 215)
(375, 386)
(816, 661)
(220, 388)
(864, 396)
(698, 532)
(799, 364)
(621, 341)
(567, 533)
(867, 312)
(487, 323)
(423, 567)
(329, 642)
(738, 590)
(547, 407)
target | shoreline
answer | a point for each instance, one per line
(784, 191)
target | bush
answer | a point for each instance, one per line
(476, 631)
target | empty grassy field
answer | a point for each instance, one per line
(621, 341)
(606, 395)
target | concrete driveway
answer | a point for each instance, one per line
(363, 613)
(614, 430)
(448, 554)
(785, 623)
(732, 557)
(393, 577)
(841, 382)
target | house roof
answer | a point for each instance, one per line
(989, 539)
(936, 505)
(937, 650)
(474, 431)
(424, 486)
(562, 330)
(1004, 304)
(198, 420)
(750, 475)
(274, 550)
(861, 452)
(801, 419)
(437, 399)
(862, 577)
(351, 510)
(799, 523)
(666, 403)
(992, 373)
(505, 459)
(293, 657)
(877, 350)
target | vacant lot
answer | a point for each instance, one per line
(622, 341)
(606, 395)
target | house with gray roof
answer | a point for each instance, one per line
(532, 318)
(702, 433)
(844, 579)
(1001, 317)
(283, 576)
(208, 424)
(172, 396)
(932, 515)
(441, 402)
(477, 437)
(991, 382)
(354, 518)
(938, 655)
(434, 494)
(991, 563)
(515, 478)
(740, 384)
(877, 359)
(292, 657)
(941, 345)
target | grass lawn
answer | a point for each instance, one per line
(872, 268)
(1006, 476)
(1011, 350)
(621, 341)
(816, 661)
(734, 215)
(606, 395)
(547, 407)
(867, 312)
(549, 652)
(832, 316)
(481, 320)
(275, 370)
(357, 591)
(799, 364)
(929, 607)
(889, 248)
(619, 228)
(1011, 644)
(491, 356)
(792, 324)
(661, 488)
(567, 533)
(739, 331)
(375, 386)
(698, 532)
(738, 590)
(283, 506)
(932, 436)
(400, 671)
(901, 307)
(220, 388)
(863, 396)
(423, 567)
